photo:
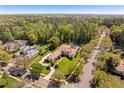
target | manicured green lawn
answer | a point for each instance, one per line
(11, 82)
(42, 48)
(116, 82)
(66, 64)
(36, 59)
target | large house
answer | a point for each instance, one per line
(27, 51)
(17, 71)
(15, 45)
(64, 50)
(119, 70)
(120, 67)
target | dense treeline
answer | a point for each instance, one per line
(107, 61)
(117, 35)
(41, 28)
(116, 25)
(112, 20)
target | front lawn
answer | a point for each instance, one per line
(8, 82)
(65, 64)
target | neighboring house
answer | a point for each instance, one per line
(31, 52)
(27, 51)
(17, 71)
(119, 70)
(15, 45)
(64, 50)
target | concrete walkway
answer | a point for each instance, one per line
(52, 70)
(43, 59)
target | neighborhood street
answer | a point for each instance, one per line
(87, 76)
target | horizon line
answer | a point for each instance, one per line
(61, 13)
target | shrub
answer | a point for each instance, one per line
(52, 64)
(48, 67)
(56, 66)
(36, 69)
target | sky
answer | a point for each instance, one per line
(62, 9)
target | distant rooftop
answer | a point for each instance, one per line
(120, 67)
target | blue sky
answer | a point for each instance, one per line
(75, 9)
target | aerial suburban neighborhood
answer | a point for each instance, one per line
(61, 51)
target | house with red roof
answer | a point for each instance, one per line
(64, 50)
(119, 70)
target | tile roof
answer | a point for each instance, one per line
(120, 67)
(69, 49)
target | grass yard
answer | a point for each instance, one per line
(45, 71)
(38, 58)
(10, 84)
(116, 82)
(42, 48)
(42, 68)
(66, 64)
